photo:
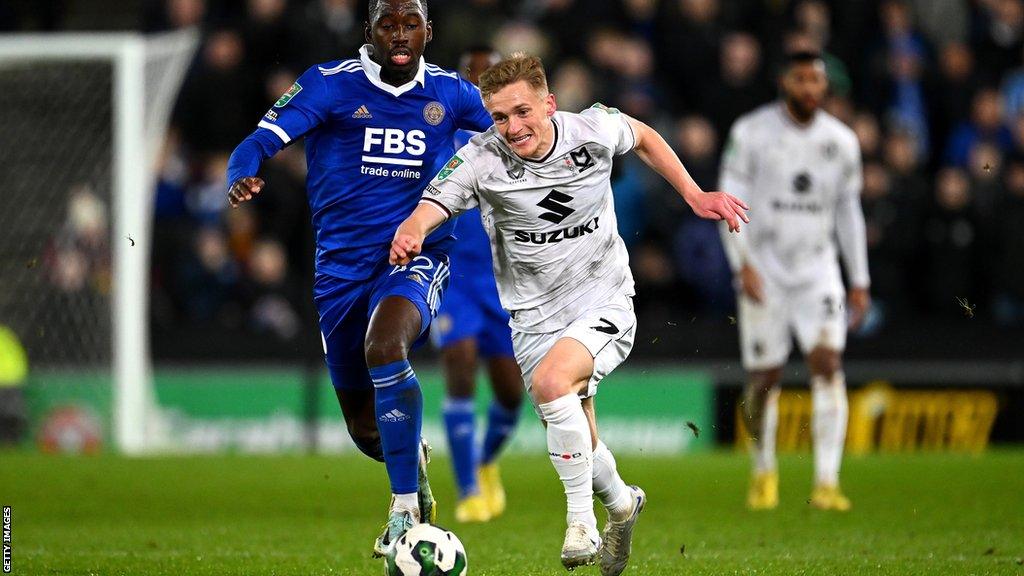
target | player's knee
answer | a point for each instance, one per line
(381, 350)
(367, 440)
(762, 382)
(822, 361)
(548, 385)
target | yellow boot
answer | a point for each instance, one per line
(829, 497)
(472, 509)
(490, 487)
(764, 491)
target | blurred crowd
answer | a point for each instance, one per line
(934, 90)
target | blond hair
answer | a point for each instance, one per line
(517, 67)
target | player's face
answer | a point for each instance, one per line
(523, 117)
(805, 86)
(399, 34)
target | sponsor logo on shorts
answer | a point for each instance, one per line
(565, 456)
(607, 326)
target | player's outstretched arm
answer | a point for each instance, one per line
(244, 189)
(408, 241)
(657, 154)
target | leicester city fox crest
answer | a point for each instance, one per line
(433, 113)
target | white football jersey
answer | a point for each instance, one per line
(802, 184)
(551, 221)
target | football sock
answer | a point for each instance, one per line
(571, 452)
(399, 405)
(764, 446)
(460, 424)
(761, 416)
(608, 485)
(500, 423)
(830, 413)
(410, 502)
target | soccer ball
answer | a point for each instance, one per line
(426, 550)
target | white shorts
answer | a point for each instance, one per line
(607, 331)
(815, 314)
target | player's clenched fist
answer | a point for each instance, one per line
(404, 248)
(244, 189)
(721, 206)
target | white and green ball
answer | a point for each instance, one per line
(426, 550)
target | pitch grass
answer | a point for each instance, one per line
(914, 514)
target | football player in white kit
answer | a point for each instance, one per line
(542, 181)
(799, 169)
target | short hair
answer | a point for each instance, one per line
(376, 6)
(803, 57)
(517, 67)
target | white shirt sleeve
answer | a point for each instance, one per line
(737, 178)
(454, 189)
(612, 127)
(850, 223)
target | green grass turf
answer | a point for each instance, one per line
(913, 514)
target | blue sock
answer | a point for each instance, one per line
(501, 422)
(399, 404)
(460, 423)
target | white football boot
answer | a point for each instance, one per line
(580, 545)
(618, 537)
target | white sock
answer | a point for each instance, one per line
(406, 502)
(608, 485)
(830, 413)
(763, 450)
(571, 454)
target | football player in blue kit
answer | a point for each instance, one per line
(471, 324)
(378, 127)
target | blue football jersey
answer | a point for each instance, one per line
(371, 149)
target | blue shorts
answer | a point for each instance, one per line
(345, 307)
(471, 309)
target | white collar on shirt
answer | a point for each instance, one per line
(372, 71)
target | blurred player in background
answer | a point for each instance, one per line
(376, 127)
(799, 169)
(542, 180)
(470, 324)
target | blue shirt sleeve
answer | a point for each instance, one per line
(303, 107)
(471, 114)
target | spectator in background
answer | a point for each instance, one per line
(907, 201)
(208, 280)
(697, 253)
(160, 15)
(951, 100)
(688, 38)
(273, 293)
(1000, 45)
(574, 84)
(941, 21)
(741, 85)
(950, 233)
(884, 236)
(321, 31)
(219, 102)
(869, 136)
(1009, 245)
(985, 125)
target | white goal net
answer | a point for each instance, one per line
(84, 118)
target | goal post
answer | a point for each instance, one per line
(145, 75)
